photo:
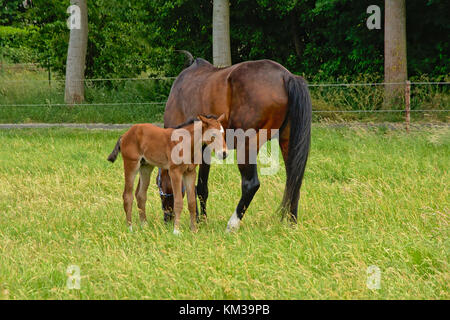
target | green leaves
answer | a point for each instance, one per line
(321, 39)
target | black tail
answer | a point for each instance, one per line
(113, 156)
(299, 114)
(189, 58)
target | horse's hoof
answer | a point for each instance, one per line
(130, 228)
(168, 217)
(176, 232)
(233, 224)
(202, 218)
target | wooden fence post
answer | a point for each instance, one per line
(408, 104)
(49, 72)
(1, 58)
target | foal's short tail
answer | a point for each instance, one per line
(113, 156)
(299, 115)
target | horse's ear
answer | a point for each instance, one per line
(201, 118)
(204, 121)
(221, 118)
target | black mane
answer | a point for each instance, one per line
(192, 120)
(202, 62)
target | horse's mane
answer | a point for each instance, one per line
(190, 60)
(202, 62)
(192, 120)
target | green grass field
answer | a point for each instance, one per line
(370, 197)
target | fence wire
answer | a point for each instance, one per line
(164, 102)
(173, 78)
(81, 104)
(344, 85)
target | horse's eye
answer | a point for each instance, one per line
(212, 138)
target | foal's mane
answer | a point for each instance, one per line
(191, 121)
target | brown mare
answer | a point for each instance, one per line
(145, 146)
(254, 94)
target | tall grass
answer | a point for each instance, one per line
(370, 98)
(25, 87)
(370, 197)
(36, 90)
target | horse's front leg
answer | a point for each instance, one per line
(166, 193)
(189, 183)
(249, 186)
(176, 179)
(202, 183)
(202, 187)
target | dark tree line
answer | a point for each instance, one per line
(322, 39)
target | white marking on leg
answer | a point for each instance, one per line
(130, 228)
(233, 223)
(176, 232)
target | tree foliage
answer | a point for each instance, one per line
(321, 39)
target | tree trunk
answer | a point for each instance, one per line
(395, 62)
(221, 33)
(76, 56)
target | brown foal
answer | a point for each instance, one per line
(145, 146)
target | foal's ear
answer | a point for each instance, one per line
(202, 118)
(221, 118)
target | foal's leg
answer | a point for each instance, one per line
(189, 183)
(145, 172)
(130, 168)
(249, 186)
(177, 184)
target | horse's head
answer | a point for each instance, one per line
(214, 135)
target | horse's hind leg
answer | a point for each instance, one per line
(130, 167)
(145, 172)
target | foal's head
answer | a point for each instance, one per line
(213, 135)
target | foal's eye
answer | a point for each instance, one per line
(212, 138)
